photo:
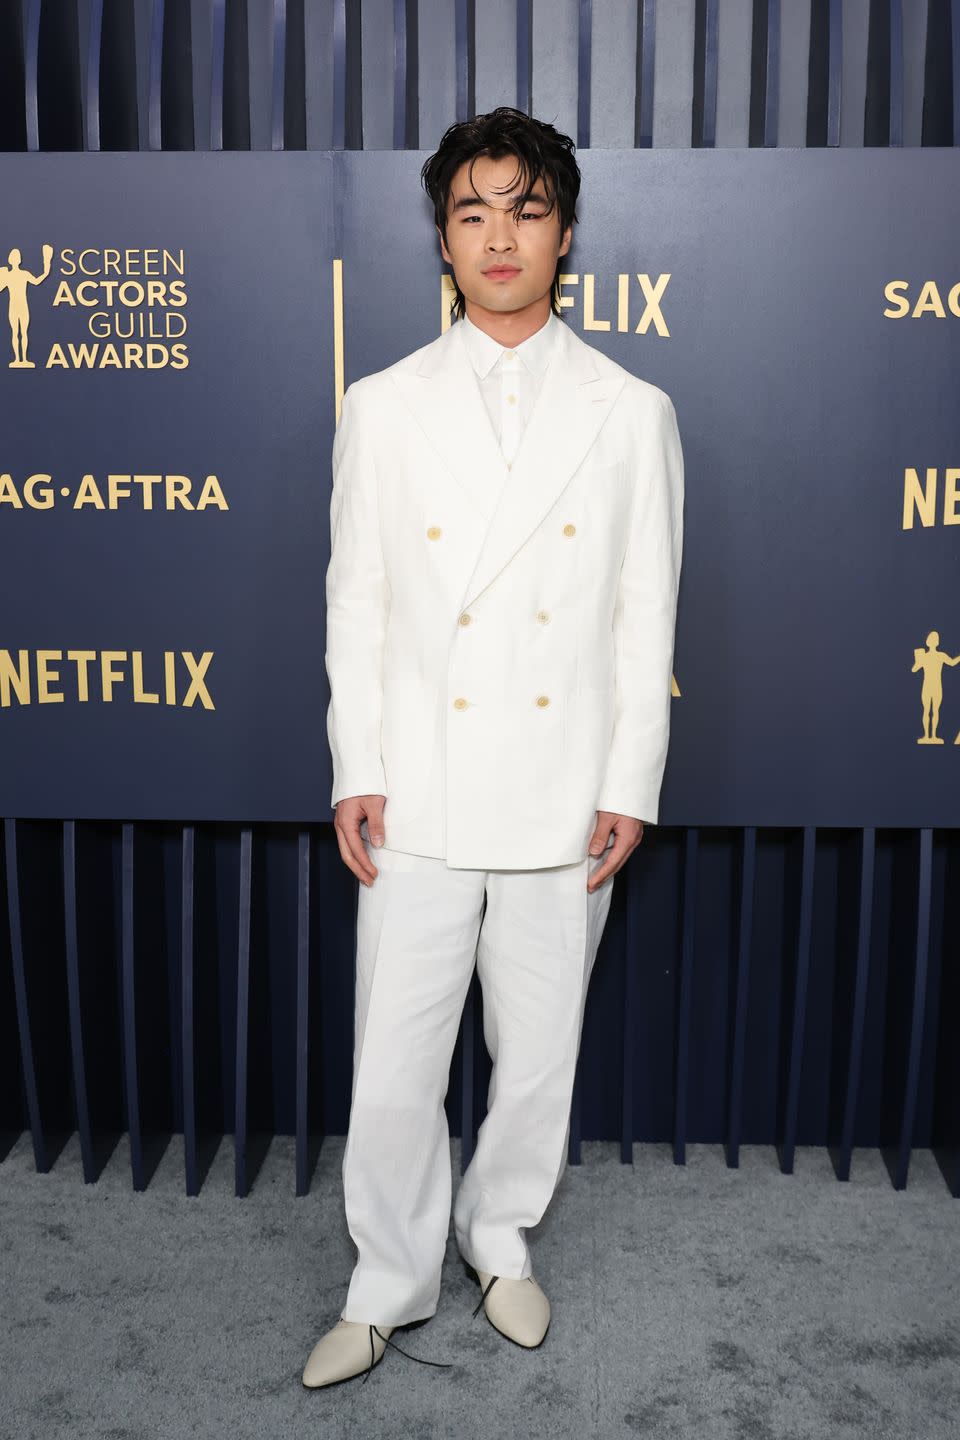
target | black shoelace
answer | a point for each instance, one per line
(440, 1364)
(493, 1281)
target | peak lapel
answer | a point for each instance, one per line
(574, 399)
(572, 403)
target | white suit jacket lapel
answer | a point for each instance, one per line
(575, 397)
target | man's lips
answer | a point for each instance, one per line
(502, 270)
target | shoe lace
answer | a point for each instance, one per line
(440, 1364)
(493, 1281)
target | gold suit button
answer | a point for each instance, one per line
(569, 529)
(434, 532)
(512, 399)
(465, 619)
(543, 700)
(460, 703)
(543, 616)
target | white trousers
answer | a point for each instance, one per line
(420, 928)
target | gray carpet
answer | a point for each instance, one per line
(687, 1301)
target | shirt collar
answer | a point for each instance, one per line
(484, 351)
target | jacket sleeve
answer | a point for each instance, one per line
(644, 626)
(357, 596)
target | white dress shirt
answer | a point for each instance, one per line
(509, 379)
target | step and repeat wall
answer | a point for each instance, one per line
(181, 330)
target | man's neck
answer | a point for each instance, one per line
(512, 327)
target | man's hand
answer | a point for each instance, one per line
(628, 832)
(350, 813)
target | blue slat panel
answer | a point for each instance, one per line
(468, 1058)
(243, 1013)
(955, 43)
(631, 957)
(40, 1152)
(835, 48)
(303, 1015)
(377, 42)
(218, 51)
(691, 851)
(744, 941)
(403, 53)
(463, 63)
(129, 1006)
(772, 64)
(201, 38)
(319, 22)
(584, 72)
(856, 25)
(646, 72)
(788, 1129)
(707, 47)
(843, 1158)
(143, 26)
(793, 73)
(278, 139)
(914, 19)
(553, 65)
(495, 68)
(188, 1026)
(673, 74)
(260, 71)
(436, 59)
(74, 1001)
(613, 74)
(31, 64)
(155, 80)
(921, 966)
(733, 73)
(90, 17)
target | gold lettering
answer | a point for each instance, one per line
(198, 669)
(45, 695)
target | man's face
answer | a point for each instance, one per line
(482, 233)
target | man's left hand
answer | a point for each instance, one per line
(628, 832)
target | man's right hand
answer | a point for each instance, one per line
(350, 813)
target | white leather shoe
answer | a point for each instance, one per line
(517, 1308)
(350, 1348)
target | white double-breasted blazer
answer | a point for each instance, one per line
(500, 638)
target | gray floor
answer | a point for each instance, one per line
(687, 1301)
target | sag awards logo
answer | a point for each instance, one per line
(110, 309)
(930, 663)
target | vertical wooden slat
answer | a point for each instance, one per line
(129, 1007)
(31, 62)
(917, 1012)
(302, 1080)
(155, 81)
(279, 73)
(704, 111)
(524, 55)
(772, 63)
(834, 70)
(188, 1045)
(788, 1129)
(40, 1151)
(218, 42)
(896, 72)
(584, 49)
(631, 959)
(745, 937)
(74, 1001)
(691, 854)
(243, 1014)
(463, 15)
(646, 69)
(843, 1157)
(91, 128)
(468, 1109)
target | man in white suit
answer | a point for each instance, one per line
(506, 537)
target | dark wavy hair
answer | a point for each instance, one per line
(540, 150)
